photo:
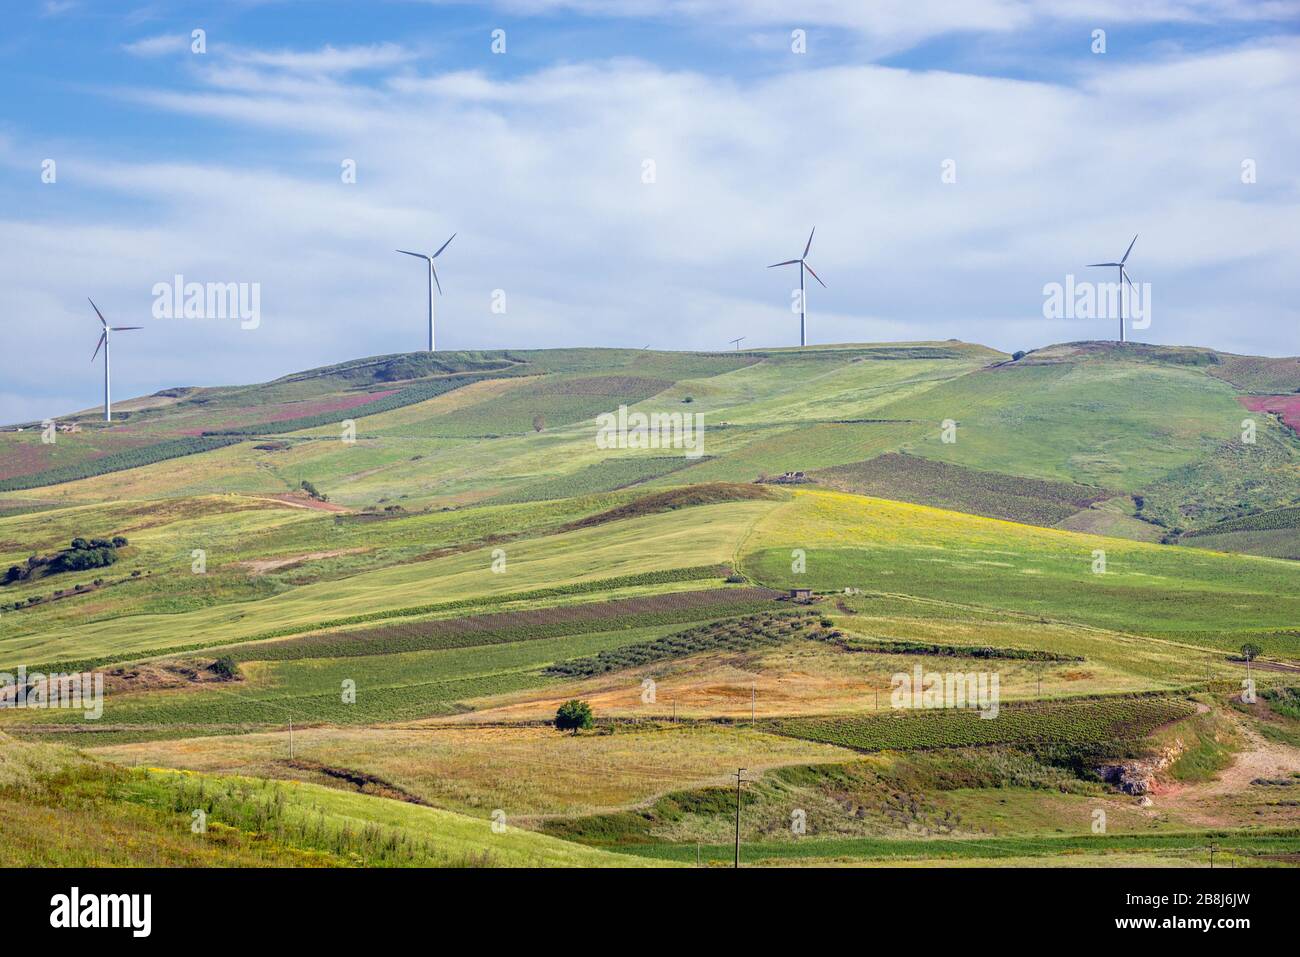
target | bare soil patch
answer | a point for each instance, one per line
(261, 566)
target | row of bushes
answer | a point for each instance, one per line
(82, 555)
(730, 634)
(903, 646)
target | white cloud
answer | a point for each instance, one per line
(329, 59)
(161, 45)
(891, 25)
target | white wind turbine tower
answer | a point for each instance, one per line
(103, 341)
(803, 264)
(433, 279)
(1123, 278)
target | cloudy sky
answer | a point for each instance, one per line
(226, 165)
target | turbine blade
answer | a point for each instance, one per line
(416, 255)
(435, 277)
(809, 245)
(1090, 265)
(1129, 250)
(97, 312)
(788, 262)
(124, 328)
(102, 337)
(443, 246)
(814, 275)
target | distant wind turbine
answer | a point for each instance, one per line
(1123, 278)
(736, 342)
(103, 341)
(803, 264)
(432, 279)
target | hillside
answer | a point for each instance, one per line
(1154, 434)
(416, 559)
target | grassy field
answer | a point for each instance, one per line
(528, 771)
(1193, 596)
(707, 535)
(1098, 535)
(1177, 850)
(69, 811)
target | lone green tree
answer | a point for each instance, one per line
(573, 715)
(1250, 652)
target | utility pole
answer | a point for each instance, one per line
(739, 773)
(291, 739)
(1213, 848)
(753, 701)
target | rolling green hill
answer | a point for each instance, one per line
(414, 559)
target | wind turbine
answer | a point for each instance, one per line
(736, 342)
(103, 341)
(803, 264)
(433, 279)
(1123, 278)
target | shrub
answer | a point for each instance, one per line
(225, 668)
(312, 491)
(78, 559)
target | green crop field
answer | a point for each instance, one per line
(350, 602)
(908, 478)
(1070, 722)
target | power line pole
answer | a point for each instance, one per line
(739, 773)
(1213, 848)
(753, 701)
(291, 739)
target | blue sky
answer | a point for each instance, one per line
(224, 166)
